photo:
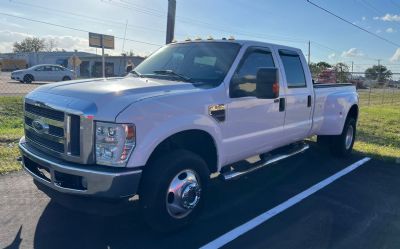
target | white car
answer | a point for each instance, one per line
(44, 72)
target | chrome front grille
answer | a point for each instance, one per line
(67, 131)
(44, 128)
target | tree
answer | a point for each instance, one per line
(379, 73)
(342, 72)
(317, 68)
(51, 45)
(29, 44)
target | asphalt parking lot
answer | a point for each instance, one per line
(358, 210)
(9, 87)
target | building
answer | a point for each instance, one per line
(90, 63)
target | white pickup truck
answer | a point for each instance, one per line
(189, 110)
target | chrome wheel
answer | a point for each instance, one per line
(349, 137)
(183, 193)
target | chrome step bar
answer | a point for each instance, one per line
(230, 175)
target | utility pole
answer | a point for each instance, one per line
(309, 52)
(103, 61)
(352, 71)
(171, 21)
(379, 72)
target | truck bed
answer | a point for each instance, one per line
(325, 85)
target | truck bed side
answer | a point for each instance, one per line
(332, 104)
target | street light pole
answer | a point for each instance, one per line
(171, 21)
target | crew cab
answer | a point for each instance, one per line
(189, 110)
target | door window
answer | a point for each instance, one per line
(293, 69)
(48, 68)
(243, 82)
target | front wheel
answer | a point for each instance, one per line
(65, 78)
(173, 190)
(28, 78)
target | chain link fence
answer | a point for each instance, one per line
(371, 93)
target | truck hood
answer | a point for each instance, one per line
(105, 98)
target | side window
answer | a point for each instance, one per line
(55, 68)
(243, 82)
(39, 69)
(47, 68)
(293, 69)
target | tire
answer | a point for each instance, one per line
(65, 78)
(28, 78)
(341, 145)
(179, 168)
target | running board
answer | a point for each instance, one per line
(230, 175)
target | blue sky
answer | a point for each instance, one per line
(289, 22)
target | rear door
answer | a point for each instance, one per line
(298, 119)
(253, 126)
(57, 73)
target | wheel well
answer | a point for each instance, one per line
(28, 74)
(196, 141)
(353, 112)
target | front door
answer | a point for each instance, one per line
(299, 94)
(253, 126)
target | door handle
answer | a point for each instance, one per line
(282, 104)
(309, 101)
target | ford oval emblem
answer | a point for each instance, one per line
(39, 126)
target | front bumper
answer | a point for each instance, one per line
(16, 77)
(84, 180)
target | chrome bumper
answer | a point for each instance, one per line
(84, 180)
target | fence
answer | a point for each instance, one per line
(11, 125)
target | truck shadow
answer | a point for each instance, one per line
(229, 204)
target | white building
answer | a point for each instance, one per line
(90, 63)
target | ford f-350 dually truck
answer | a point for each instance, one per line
(191, 109)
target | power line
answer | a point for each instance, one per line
(355, 25)
(72, 28)
(91, 18)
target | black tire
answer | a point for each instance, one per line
(65, 78)
(339, 145)
(28, 78)
(154, 195)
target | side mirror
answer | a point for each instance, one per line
(267, 84)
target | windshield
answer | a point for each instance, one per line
(205, 62)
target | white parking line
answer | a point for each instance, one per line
(244, 228)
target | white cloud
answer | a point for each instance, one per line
(388, 18)
(364, 18)
(390, 30)
(352, 52)
(332, 56)
(396, 56)
(379, 31)
(69, 43)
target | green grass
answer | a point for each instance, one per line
(378, 132)
(11, 130)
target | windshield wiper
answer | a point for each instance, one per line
(172, 73)
(136, 73)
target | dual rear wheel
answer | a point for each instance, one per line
(341, 145)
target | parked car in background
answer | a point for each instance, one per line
(44, 72)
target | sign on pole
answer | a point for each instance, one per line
(101, 41)
(94, 40)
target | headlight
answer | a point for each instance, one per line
(114, 143)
